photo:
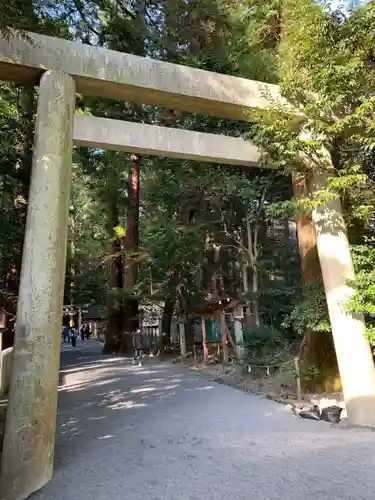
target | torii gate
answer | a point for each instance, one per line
(61, 68)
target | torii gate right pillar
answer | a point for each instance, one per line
(353, 351)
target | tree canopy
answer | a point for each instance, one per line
(177, 232)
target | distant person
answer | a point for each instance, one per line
(82, 332)
(66, 334)
(74, 337)
(137, 341)
(88, 331)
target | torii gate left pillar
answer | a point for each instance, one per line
(28, 449)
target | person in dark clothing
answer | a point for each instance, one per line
(137, 341)
(82, 332)
(88, 331)
(73, 336)
(66, 333)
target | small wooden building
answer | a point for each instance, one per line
(215, 316)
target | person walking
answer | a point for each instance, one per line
(82, 332)
(137, 341)
(88, 331)
(74, 337)
(66, 334)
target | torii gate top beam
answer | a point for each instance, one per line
(117, 75)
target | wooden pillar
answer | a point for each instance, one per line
(182, 328)
(224, 338)
(238, 332)
(353, 351)
(238, 315)
(205, 349)
(28, 450)
(79, 320)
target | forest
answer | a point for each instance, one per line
(146, 230)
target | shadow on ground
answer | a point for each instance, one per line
(164, 433)
(100, 396)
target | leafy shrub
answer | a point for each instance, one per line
(363, 301)
(263, 345)
(309, 311)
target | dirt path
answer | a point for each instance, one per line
(165, 433)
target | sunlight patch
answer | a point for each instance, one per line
(143, 389)
(126, 405)
(108, 436)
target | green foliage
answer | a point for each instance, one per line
(363, 302)
(309, 311)
(120, 232)
(89, 236)
(264, 346)
(262, 337)
(194, 217)
(325, 68)
(14, 175)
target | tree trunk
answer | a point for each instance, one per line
(255, 290)
(189, 334)
(131, 250)
(252, 256)
(245, 282)
(114, 267)
(167, 319)
(69, 274)
(319, 369)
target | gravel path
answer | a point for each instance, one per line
(164, 433)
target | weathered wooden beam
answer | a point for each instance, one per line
(117, 75)
(103, 133)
